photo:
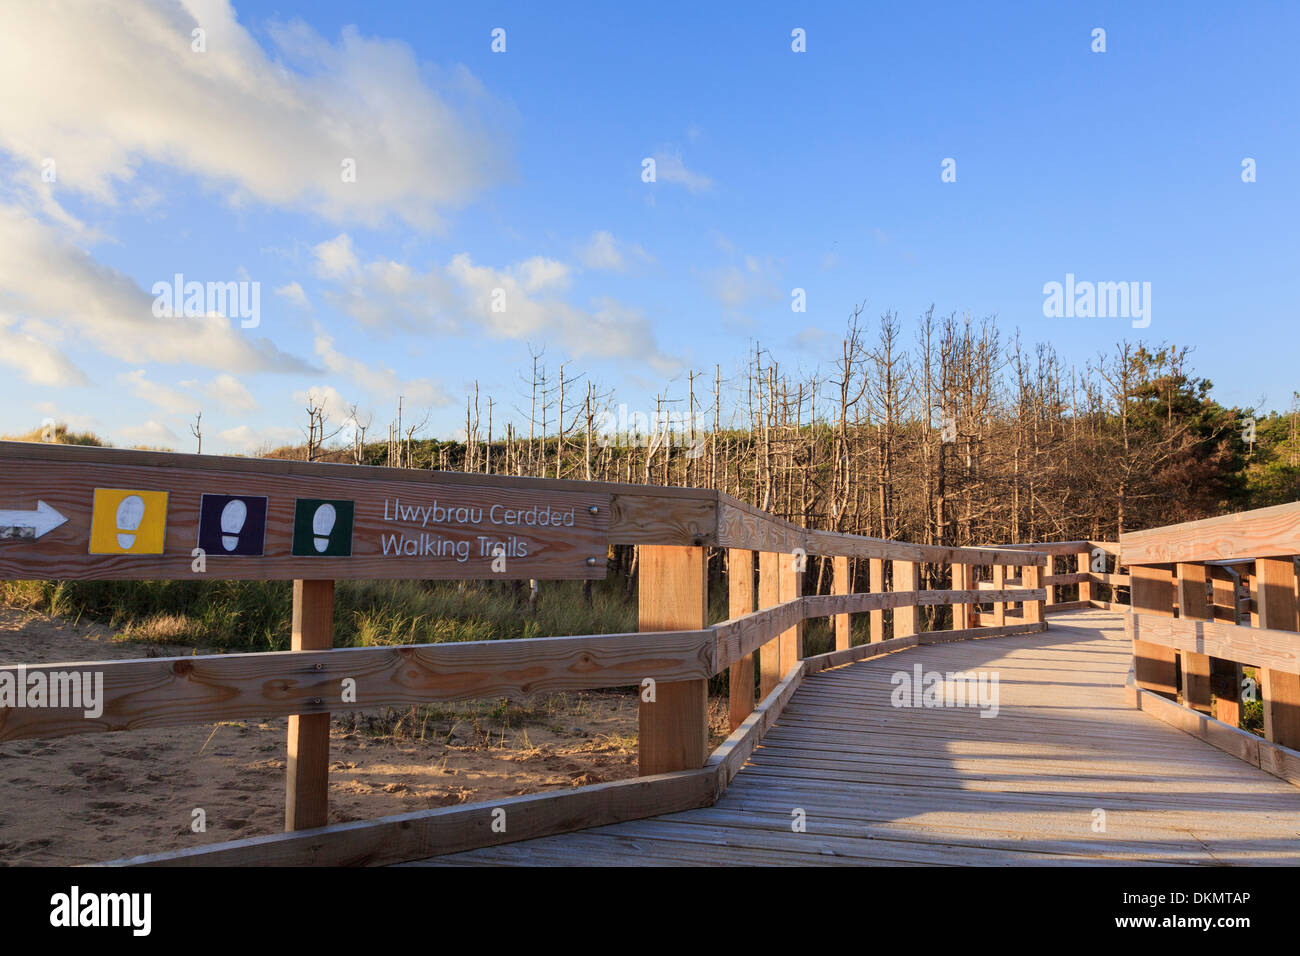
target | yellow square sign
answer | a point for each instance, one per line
(128, 522)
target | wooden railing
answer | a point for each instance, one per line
(670, 659)
(1210, 598)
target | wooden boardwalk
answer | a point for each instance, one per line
(908, 786)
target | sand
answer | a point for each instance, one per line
(97, 797)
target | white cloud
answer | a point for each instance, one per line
(38, 362)
(335, 258)
(152, 434)
(230, 394)
(379, 382)
(161, 396)
(465, 296)
(738, 286)
(293, 292)
(45, 277)
(606, 252)
(669, 168)
(102, 87)
(244, 438)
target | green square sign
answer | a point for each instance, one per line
(322, 528)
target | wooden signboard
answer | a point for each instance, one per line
(170, 518)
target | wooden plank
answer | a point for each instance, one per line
(769, 595)
(980, 633)
(1051, 547)
(1155, 666)
(877, 618)
(293, 526)
(1193, 604)
(426, 833)
(1263, 647)
(1263, 533)
(161, 692)
(1085, 580)
(1067, 606)
(1275, 597)
(1239, 743)
(962, 616)
(674, 723)
(730, 757)
(1033, 610)
(740, 597)
(862, 652)
(791, 587)
(742, 525)
(999, 616)
(907, 577)
(841, 583)
(307, 769)
(1063, 579)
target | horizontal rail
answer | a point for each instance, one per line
(1263, 533)
(429, 833)
(1253, 646)
(158, 692)
(744, 526)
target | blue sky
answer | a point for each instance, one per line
(521, 171)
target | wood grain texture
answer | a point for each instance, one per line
(1275, 596)
(1263, 533)
(1085, 576)
(876, 618)
(428, 833)
(1031, 578)
(907, 618)
(1253, 646)
(769, 597)
(791, 639)
(535, 552)
(161, 692)
(841, 584)
(1193, 582)
(742, 525)
(306, 803)
(942, 786)
(1155, 665)
(740, 603)
(673, 595)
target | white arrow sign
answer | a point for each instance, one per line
(29, 524)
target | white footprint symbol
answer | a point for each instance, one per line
(233, 516)
(322, 523)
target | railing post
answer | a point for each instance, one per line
(1275, 598)
(1050, 569)
(740, 595)
(842, 584)
(672, 596)
(999, 584)
(877, 618)
(1085, 567)
(306, 803)
(791, 589)
(769, 595)
(961, 581)
(1151, 591)
(907, 577)
(1225, 676)
(1193, 604)
(1031, 576)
